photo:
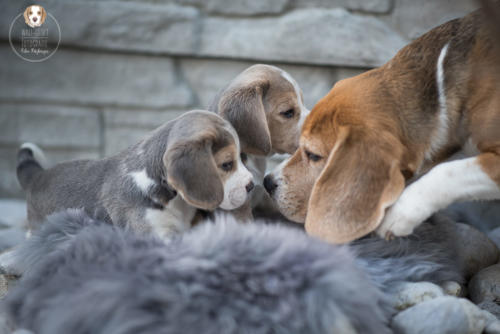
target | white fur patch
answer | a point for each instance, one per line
(176, 217)
(459, 180)
(142, 180)
(440, 135)
(235, 192)
(37, 154)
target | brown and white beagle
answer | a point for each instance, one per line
(266, 107)
(375, 133)
(34, 16)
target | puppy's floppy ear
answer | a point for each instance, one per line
(44, 15)
(25, 14)
(191, 170)
(361, 179)
(243, 107)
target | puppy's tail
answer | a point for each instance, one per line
(30, 161)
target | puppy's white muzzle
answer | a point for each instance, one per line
(237, 188)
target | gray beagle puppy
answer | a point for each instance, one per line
(154, 186)
(266, 107)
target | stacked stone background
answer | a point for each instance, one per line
(125, 67)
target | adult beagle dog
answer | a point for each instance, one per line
(34, 16)
(266, 107)
(154, 186)
(394, 126)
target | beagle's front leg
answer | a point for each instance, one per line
(446, 183)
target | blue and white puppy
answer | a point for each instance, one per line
(154, 186)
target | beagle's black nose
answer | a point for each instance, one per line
(269, 184)
(249, 187)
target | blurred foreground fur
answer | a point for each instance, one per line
(85, 276)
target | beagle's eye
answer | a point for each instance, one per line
(243, 157)
(313, 157)
(227, 166)
(31, 12)
(288, 114)
(39, 13)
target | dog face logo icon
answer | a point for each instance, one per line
(34, 16)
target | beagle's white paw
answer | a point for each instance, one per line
(403, 217)
(396, 224)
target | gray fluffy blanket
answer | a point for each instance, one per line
(84, 276)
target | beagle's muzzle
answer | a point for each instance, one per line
(153, 186)
(366, 143)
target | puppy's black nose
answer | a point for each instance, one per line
(35, 19)
(269, 184)
(249, 187)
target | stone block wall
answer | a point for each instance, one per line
(125, 67)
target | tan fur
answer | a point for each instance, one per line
(383, 177)
(374, 131)
(226, 154)
(44, 14)
(25, 14)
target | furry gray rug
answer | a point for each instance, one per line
(84, 276)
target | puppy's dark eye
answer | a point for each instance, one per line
(31, 13)
(244, 157)
(227, 166)
(288, 114)
(313, 157)
(39, 13)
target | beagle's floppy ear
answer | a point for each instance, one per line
(191, 170)
(44, 15)
(361, 179)
(25, 14)
(243, 107)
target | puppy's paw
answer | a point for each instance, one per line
(396, 223)
(403, 217)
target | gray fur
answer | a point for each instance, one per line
(429, 254)
(104, 188)
(483, 215)
(241, 103)
(221, 277)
